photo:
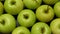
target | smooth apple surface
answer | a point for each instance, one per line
(21, 30)
(1, 8)
(13, 6)
(7, 23)
(55, 26)
(57, 9)
(26, 18)
(50, 2)
(45, 13)
(32, 4)
(40, 28)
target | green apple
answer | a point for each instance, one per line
(57, 9)
(40, 28)
(50, 2)
(32, 4)
(21, 30)
(7, 23)
(26, 18)
(13, 6)
(45, 13)
(1, 8)
(55, 26)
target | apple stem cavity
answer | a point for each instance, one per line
(46, 11)
(42, 30)
(21, 33)
(22, 0)
(26, 16)
(2, 22)
(13, 2)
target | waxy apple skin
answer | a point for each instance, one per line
(26, 18)
(55, 26)
(21, 30)
(40, 28)
(45, 13)
(7, 23)
(1, 8)
(57, 9)
(50, 2)
(13, 6)
(32, 4)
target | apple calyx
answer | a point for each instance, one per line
(47, 9)
(42, 30)
(26, 16)
(13, 2)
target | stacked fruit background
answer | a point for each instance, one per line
(29, 16)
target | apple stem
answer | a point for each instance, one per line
(46, 11)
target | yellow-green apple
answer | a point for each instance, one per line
(57, 9)
(32, 4)
(26, 18)
(50, 2)
(1, 8)
(7, 23)
(55, 26)
(13, 6)
(45, 13)
(40, 28)
(21, 30)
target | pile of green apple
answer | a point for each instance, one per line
(29, 16)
